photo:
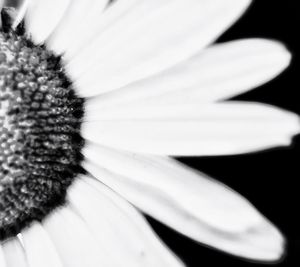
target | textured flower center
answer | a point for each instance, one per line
(40, 118)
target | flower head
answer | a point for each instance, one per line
(95, 100)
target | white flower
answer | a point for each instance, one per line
(152, 86)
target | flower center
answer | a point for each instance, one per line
(40, 142)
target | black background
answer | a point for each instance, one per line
(268, 179)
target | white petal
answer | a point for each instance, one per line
(215, 129)
(118, 226)
(220, 71)
(73, 240)
(14, 253)
(39, 248)
(42, 17)
(1, 6)
(2, 257)
(21, 11)
(80, 18)
(193, 204)
(143, 42)
(96, 21)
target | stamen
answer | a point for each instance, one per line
(40, 142)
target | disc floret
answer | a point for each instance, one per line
(40, 142)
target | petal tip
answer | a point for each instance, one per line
(280, 52)
(284, 55)
(271, 244)
(294, 125)
(262, 243)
